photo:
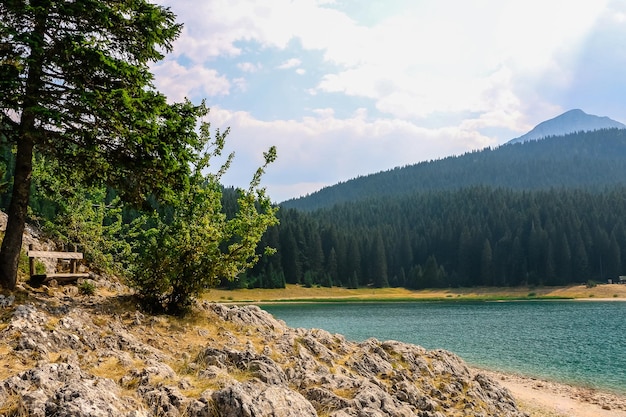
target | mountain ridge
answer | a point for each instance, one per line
(571, 121)
(593, 159)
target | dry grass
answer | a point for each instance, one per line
(300, 293)
(13, 406)
(11, 364)
(183, 339)
(110, 368)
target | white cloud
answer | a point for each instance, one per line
(439, 58)
(290, 63)
(178, 82)
(324, 149)
(481, 66)
(213, 28)
(249, 66)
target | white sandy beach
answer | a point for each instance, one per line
(541, 398)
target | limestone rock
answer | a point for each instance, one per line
(64, 390)
(253, 399)
(250, 364)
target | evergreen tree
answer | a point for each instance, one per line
(290, 255)
(354, 263)
(613, 259)
(486, 264)
(564, 261)
(76, 86)
(431, 275)
(331, 267)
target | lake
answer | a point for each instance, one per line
(576, 342)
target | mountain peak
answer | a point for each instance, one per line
(571, 121)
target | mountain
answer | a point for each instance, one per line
(540, 212)
(569, 122)
(590, 160)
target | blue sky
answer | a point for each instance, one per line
(346, 88)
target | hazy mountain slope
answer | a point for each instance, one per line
(582, 160)
(569, 122)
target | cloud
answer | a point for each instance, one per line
(249, 66)
(178, 82)
(371, 87)
(324, 149)
(291, 63)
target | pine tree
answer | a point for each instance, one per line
(486, 264)
(379, 263)
(76, 86)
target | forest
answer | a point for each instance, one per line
(547, 212)
(591, 160)
(477, 236)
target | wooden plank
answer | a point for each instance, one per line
(52, 254)
(62, 278)
(67, 275)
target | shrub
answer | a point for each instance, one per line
(87, 287)
(192, 245)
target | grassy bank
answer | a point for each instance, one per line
(296, 293)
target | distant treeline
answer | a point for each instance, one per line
(468, 237)
(580, 160)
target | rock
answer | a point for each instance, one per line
(164, 400)
(324, 399)
(250, 365)
(64, 390)
(6, 301)
(253, 399)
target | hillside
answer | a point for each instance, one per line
(78, 356)
(477, 236)
(591, 160)
(63, 353)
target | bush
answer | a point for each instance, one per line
(87, 287)
(192, 245)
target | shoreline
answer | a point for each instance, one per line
(294, 293)
(339, 300)
(544, 398)
(536, 396)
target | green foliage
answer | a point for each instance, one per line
(77, 88)
(87, 287)
(591, 284)
(191, 244)
(75, 214)
(477, 236)
(23, 266)
(590, 160)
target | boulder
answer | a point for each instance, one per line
(252, 399)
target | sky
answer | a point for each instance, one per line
(345, 88)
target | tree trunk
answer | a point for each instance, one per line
(12, 243)
(18, 208)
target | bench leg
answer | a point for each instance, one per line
(31, 262)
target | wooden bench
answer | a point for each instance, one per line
(70, 276)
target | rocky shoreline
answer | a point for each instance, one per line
(98, 356)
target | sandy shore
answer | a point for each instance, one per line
(541, 398)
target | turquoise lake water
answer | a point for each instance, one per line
(577, 342)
